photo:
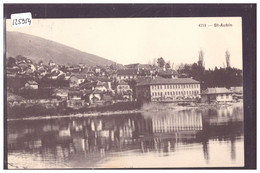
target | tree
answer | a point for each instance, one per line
(11, 62)
(154, 62)
(132, 84)
(228, 58)
(150, 63)
(168, 65)
(201, 58)
(40, 62)
(160, 62)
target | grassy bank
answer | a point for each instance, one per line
(38, 110)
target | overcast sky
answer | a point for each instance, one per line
(140, 40)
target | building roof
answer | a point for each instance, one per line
(167, 72)
(122, 83)
(99, 83)
(138, 66)
(237, 89)
(79, 76)
(127, 72)
(160, 80)
(87, 85)
(31, 82)
(216, 91)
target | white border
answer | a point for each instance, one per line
(112, 1)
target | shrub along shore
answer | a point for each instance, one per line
(38, 111)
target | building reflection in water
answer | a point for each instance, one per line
(90, 139)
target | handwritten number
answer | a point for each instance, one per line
(21, 21)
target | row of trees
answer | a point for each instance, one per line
(160, 62)
(218, 77)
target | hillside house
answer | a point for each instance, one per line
(123, 74)
(237, 92)
(75, 99)
(139, 66)
(96, 96)
(124, 90)
(216, 95)
(52, 63)
(87, 85)
(122, 87)
(31, 85)
(103, 83)
(76, 80)
(100, 86)
(61, 93)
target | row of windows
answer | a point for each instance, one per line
(127, 77)
(172, 93)
(154, 87)
(223, 95)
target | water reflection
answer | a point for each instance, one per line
(94, 141)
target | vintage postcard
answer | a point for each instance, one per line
(144, 92)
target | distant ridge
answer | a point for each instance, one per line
(37, 48)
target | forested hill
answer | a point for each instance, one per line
(37, 49)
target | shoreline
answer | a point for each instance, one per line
(77, 115)
(94, 114)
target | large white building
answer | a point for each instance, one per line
(162, 89)
(216, 95)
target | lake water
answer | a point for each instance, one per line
(188, 138)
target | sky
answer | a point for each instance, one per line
(141, 40)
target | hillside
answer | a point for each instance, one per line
(37, 49)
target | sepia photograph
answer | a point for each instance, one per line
(124, 92)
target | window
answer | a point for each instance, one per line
(227, 97)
